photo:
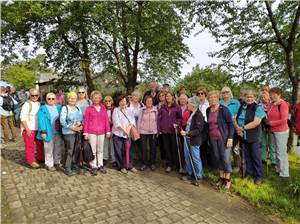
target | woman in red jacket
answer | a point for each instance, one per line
(278, 117)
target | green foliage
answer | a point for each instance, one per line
(20, 76)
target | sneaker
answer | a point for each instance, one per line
(69, 172)
(220, 182)
(258, 181)
(152, 167)
(134, 170)
(94, 171)
(123, 170)
(58, 166)
(51, 169)
(197, 182)
(227, 184)
(76, 169)
(143, 167)
(34, 165)
(181, 171)
(114, 164)
(102, 170)
(169, 169)
(186, 178)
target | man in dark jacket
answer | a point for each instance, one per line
(152, 92)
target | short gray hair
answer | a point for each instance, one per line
(194, 101)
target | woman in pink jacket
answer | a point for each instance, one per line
(278, 113)
(147, 126)
(96, 126)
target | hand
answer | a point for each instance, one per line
(86, 136)
(183, 133)
(108, 135)
(175, 125)
(28, 132)
(229, 143)
(127, 130)
(43, 135)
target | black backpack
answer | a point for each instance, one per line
(8, 103)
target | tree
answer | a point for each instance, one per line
(20, 76)
(259, 43)
(125, 39)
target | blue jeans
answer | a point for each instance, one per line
(195, 152)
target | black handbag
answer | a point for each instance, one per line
(87, 152)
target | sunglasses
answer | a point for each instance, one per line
(107, 101)
(200, 93)
(81, 92)
(50, 98)
(225, 92)
(34, 95)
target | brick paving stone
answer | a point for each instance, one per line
(39, 196)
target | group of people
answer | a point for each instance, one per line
(190, 132)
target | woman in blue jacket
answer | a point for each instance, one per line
(49, 131)
(220, 131)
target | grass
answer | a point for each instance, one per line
(274, 196)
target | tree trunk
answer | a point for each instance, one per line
(89, 81)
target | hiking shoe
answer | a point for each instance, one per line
(181, 171)
(258, 181)
(152, 167)
(123, 170)
(58, 166)
(227, 184)
(51, 169)
(186, 178)
(197, 182)
(169, 169)
(34, 165)
(143, 167)
(94, 171)
(76, 169)
(134, 170)
(69, 172)
(220, 182)
(102, 170)
(114, 164)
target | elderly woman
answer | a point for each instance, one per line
(169, 117)
(29, 127)
(147, 126)
(108, 142)
(233, 105)
(247, 124)
(203, 103)
(96, 127)
(82, 99)
(278, 116)
(49, 132)
(265, 143)
(220, 129)
(71, 120)
(193, 140)
(123, 120)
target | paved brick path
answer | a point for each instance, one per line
(38, 196)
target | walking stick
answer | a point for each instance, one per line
(191, 160)
(178, 150)
(127, 152)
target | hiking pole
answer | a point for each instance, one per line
(178, 150)
(191, 160)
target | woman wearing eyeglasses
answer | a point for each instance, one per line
(29, 127)
(108, 153)
(82, 99)
(49, 132)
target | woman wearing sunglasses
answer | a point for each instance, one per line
(82, 99)
(49, 132)
(29, 127)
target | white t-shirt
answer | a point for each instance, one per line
(30, 115)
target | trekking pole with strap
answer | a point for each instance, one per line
(178, 149)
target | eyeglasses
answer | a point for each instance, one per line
(225, 92)
(50, 98)
(107, 101)
(81, 92)
(34, 95)
(200, 93)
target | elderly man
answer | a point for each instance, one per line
(152, 92)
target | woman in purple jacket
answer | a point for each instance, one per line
(169, 117)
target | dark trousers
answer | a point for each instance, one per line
(69, 145)
(135, 150)
(169, 142)
(150, 140)
(253, 159)
(161, 148)
(207, 157)
(120, 152)
(221, 155)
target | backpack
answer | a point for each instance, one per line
(87, 152)
(8, 103)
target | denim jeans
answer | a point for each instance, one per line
(195, 154)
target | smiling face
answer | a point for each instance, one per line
(107, 103)
(183, 99)
(149, 102)
(72, 100)
(123, 103)
(50, 99)
(162, 97)
(81, 93)
(274, 97)
(169, 98)
(213, 100)
(34, 95)
(250, 98)
(96, 99)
